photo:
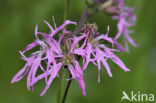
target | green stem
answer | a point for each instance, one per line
(66, 16)
(66, 13)
(59, 87)
(67, 89)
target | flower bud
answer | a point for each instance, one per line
(112, 10)
(90, 29)
(100, 1)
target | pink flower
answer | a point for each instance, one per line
(92, 50)
(126, 19)
(51, 54)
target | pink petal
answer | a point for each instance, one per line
(62, 26)
(79, 51)
(53, 74)
(107, 67)
(120, 26)
(30, 46)
(75, 41)
(54, 22)
(51, 28)
(19, 75)
(77, 74)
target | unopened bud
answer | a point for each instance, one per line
(100, 1)
(90, 29)
(112, 10)
(106, 4)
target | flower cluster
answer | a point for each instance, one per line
(59, 49)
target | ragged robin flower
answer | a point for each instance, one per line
(95, 49)
(52, 55)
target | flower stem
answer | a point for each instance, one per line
(85, 16)
(59, 87)
(66, 16)
(66, 13)
(67, 88)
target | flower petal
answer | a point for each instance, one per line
(30, 46)
(62, 26)
(19, 75)
(53, 75)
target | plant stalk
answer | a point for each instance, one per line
(59, 87)
(59, 94)
(67, 89)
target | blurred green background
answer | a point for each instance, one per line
(17, 23)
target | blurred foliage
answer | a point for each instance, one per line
(17, 23)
